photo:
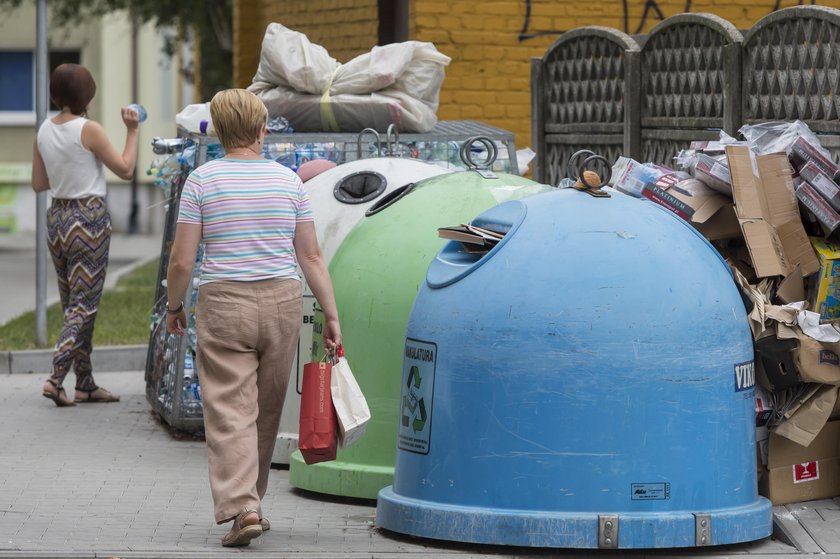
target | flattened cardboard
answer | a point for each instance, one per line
(804, 425)
(796, 473)
(816, 362)
(792, 288)
(768, 211)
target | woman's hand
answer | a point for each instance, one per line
(332, 335)
(130, 118)
(177, 321)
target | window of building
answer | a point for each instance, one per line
(17, 83)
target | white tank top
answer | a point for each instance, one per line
(74, 171)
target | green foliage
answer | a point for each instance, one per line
(209, 20)
(123, 317)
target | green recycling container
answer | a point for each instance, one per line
(376, 273)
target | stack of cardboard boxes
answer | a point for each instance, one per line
(773, 218)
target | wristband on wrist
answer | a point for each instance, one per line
(173, 311)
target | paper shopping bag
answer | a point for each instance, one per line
(317, 439)
(351, 408)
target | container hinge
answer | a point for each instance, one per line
(702, 529)
(608, 531)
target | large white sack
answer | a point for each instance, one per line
(397, 83)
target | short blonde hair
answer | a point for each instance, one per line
(238, 117)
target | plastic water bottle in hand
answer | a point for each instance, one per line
(141, 111)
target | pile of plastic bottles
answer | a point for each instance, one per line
(168, 166)
(191, 390)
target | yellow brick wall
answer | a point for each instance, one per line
(248, 31)
(491, 42)
(489, 76)
(346, 28)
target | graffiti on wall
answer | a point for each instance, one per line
(651, 12)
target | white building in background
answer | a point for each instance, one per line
(105, 47)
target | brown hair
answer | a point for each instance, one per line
(71, 85)
(238, 117)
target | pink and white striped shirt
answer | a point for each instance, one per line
(248, 210)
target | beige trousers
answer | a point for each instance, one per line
(247, 337)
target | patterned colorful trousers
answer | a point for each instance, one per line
(79, 237)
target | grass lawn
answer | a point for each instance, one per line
(123, 317)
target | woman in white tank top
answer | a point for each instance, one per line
(67, 160)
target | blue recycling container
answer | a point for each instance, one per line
(587, 383)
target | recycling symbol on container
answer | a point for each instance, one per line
(414, 408)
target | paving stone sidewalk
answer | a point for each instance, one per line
(109, 480)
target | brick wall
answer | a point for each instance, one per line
(248, 31)
(346, 28)
(491, 42)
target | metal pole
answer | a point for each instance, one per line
(132, 218)
(41, 69)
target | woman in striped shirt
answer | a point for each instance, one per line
(254, 217)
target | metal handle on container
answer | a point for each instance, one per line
(359, 142)
(573, 167)
(593, 159)
(467, 157)
(392, 141)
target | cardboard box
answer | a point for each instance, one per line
(818, 206)
(711, 213)
(659, 196)
(711, 147)
(802, 152)
(714, 173)
(822, 183)
(796, 473)
(763, 408)
(825, 292)
(714, 215)
(768, 212)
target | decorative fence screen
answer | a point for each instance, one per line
(692, 76)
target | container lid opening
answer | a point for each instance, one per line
(360, 187)
(389, 199)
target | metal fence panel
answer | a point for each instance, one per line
(792, 70)
(689, 65)
(580, 85)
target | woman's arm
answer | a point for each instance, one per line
(40, 180)
(318, 278)
(181, 262)
(95, 139)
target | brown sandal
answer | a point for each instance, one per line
(59, 396)
(97, 395)
(240, 533)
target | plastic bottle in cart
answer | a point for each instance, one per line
(191, 399)
(189, 366)
(140, 110)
